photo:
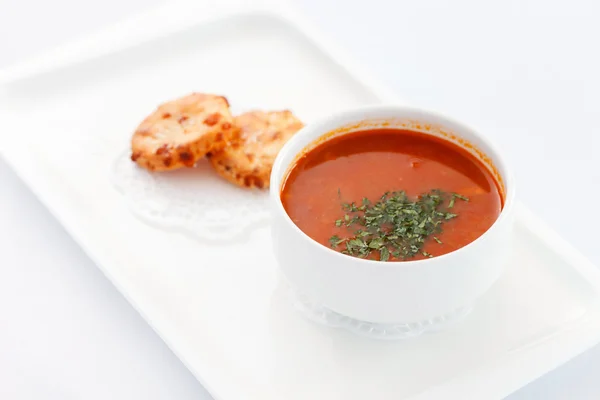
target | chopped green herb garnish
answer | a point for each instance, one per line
(458, 196)
(395, 225)
(451, 204)
(335, 241)
(454, 197)
(384, 254)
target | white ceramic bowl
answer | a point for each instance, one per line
(391, 292)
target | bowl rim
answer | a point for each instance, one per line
(354, 115)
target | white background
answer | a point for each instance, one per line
(526, 71)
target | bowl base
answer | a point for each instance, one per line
(398, 331)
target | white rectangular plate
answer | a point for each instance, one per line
(221, 307)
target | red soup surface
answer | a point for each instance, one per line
(441, 197)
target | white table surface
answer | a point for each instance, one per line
(526, 71)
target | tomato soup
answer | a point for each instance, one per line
(390, 194)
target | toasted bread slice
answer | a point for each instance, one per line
(182, 131)
(247, 161)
